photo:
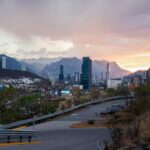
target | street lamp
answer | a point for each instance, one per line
(34, 120)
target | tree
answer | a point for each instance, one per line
(122, 90)
(30, 104)
(138, 110)
(142, 91)
(6, 96)
(76, 92)
(116, 135)
(44, 83)
(95, 93)
(110, 92)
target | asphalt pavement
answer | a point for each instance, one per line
(57, 134)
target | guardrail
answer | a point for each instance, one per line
(9, 136)
(100, 146)
(58, 113)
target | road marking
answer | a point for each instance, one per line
(75, 114)
(19, 128)
(19, 143)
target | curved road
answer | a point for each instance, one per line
(57, 135)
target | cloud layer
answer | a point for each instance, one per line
(103, 29)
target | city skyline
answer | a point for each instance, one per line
(102, 29)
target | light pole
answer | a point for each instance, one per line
(34, 120)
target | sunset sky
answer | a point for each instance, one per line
(114, 30)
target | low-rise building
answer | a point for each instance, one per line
(20, 83)
(114, 83)
(135, 81)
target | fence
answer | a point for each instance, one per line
(8, 136)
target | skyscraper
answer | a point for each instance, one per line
(77, 77)
(86, 75)
(102, 77)
(61, 74)
(107, 71)
(3, 62)
(108, 74)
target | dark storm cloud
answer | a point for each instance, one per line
(78, 20)
(110, 29)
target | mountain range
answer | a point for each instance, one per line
(72, 65)
(142, 73)
(38, 64)
(50, 67)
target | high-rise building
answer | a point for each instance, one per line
(0, 63)
(68, 77)
(102, 77)
(108, 75)
(107, 71)
(61, 74)
(3, 62)
(95, 79)
(148, 76)
(77, 77)
(86, 75)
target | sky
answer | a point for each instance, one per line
(114, 30)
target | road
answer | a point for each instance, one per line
(57, 135)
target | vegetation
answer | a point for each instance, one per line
(95, 93)
(120, 90)
(137, 122)
(65, 104)
(14, 106)
(110, 92)
(6, 96)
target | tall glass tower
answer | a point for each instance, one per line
(61, 74)
(86, 75)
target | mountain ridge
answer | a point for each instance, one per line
(15, 74)
(72, 65)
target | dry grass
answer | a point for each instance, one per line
(85, 124)
(104, 122)
(145, 128)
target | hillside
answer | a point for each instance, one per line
(137, 73)
(5, 73)
(14, 64)
(11, 63)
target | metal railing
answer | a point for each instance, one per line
(58, 113)
(9, 136)
(100, 146)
